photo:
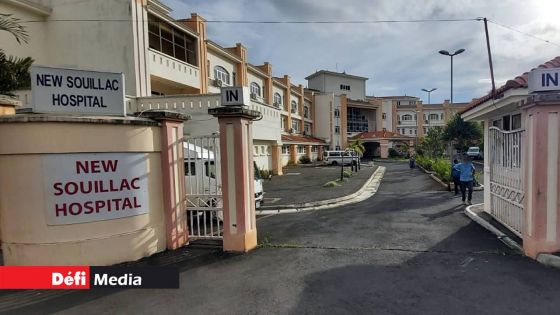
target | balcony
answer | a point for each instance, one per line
(175, 70)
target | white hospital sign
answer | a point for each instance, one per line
(236, 96)
(88, 187)
(57, 90)
(543, 80)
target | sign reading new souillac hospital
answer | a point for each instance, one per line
(87, 187)
(69, 91)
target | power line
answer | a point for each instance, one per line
(266, 22)
(524, 33)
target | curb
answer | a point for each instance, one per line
(501, 236)
(367, 190)
(549, 260)
(442, 183)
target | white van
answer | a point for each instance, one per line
(202, 177)
(337, 157)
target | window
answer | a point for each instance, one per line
(171, 41)
(306, 112)
(190, 169)
(255, 89)
(384, 116)
(409, 131)
(440, 116)
(415, 117)
(285, 149)
(337, 129)
(337, 148)
(300, 149)
(407, 117)
(221, 74)
(424, 129)
(307, 129)
(277, 99)
(294, 107)
(357, 121)
(434, 117)
(210, 169)
(516, 122)
(283, 123)
(336, 112)
(506, 123)
(296, 125)
(345, 87)
(415, 131)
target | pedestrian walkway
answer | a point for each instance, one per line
(409, 249)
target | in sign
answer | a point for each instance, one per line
(544, 80)
(235, 96)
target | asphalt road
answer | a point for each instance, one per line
(407, 250)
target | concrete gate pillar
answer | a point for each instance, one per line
(173, 179)
(238, 191)
(541, 233)
(384, 147)
(277, 159)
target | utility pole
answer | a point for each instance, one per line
(489, 57)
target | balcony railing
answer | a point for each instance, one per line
(173, 69)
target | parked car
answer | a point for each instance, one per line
(475, 153)
(337, 157)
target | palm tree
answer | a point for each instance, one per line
(14, 72)
(12, 26)
(358, 147)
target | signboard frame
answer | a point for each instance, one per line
(95, 100)
(235, 96)
(539, 80)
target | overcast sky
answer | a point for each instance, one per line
(399, 58)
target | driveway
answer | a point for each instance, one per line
(407, 250)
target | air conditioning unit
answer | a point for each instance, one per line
(426, 121)
(253, 96)
(293, 110)
(399, 122)
(305, 133)
(276, 104)
(218, 83)
(291, 130)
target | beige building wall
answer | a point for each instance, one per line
(26, 237)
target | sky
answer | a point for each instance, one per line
(398, 58)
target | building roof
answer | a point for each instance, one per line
(302, 139)
(379, 135)
(397, 97)
(516, 83)
(340, 74)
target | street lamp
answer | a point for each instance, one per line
(446, 53)
(429, 92)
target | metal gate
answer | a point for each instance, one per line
(506, 177)
(203, 182)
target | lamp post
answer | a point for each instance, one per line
(429, 92)
(446, 53)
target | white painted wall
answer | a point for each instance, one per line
(101, 46)
(387, 108)
(324, 103)
(217, 60)
(331, 83)
(260, 81)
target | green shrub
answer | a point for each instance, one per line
(265, 173)
(393, 153)
(425, 162)
(442, 167)
(304, 159)
(331, 184)
(347, 174)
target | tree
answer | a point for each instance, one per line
(14, 72)
(433, 143)
(358, 147)
(462, 134)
